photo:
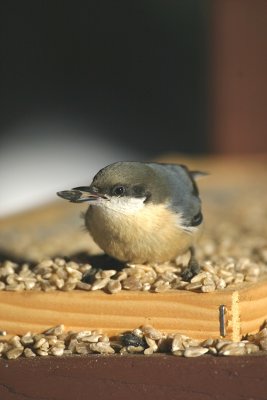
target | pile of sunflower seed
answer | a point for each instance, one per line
(60, 274)
(231, 251)
(145, 340)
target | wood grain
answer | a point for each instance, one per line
(191, 313)
(194, 314)
(252, 307)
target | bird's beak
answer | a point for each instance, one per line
(81, 194)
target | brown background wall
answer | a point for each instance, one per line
(239, 74)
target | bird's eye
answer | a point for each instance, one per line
(197, 219)
(118, 190)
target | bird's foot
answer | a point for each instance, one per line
(191, 270)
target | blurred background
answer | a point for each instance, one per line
(87, 83)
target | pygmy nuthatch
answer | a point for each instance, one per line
(142, 212)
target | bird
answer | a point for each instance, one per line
(143, 212)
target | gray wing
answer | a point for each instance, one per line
(181, 190)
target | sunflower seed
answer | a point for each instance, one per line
(195, 351)
(114, 286)
(29, 353)
(14, 353)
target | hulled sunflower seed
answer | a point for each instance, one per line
(114, 286)
(29, 353)
(56, 330)
(195, 351)
(151, 332)
(102, 348)
(14, 353)
(57, 351)
(100, 284)
(135, 349)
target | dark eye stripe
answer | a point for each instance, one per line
(138, 191)
(197, 219)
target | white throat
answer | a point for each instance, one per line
(123, 205)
